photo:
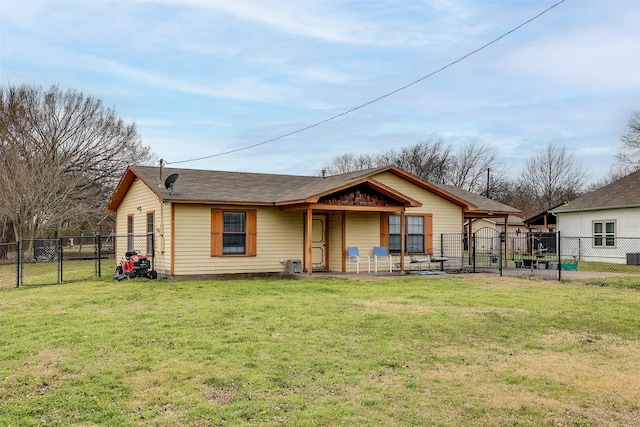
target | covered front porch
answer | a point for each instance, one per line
(356, 217)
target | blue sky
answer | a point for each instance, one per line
(202, 77)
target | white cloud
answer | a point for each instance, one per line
(299, 18)
(383, 23)
(244, 71)
(243, 88)
(600, 54)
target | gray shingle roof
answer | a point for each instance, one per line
(221, 186)
(622, 193)
(481, 202)
(207, 186)
(243, 187)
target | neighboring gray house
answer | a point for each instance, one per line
(608, 216)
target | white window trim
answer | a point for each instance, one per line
(604, 235)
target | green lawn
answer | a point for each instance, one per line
(442, 351)
(46, 273)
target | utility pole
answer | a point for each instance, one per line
(488, 181)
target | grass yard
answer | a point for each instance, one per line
(438, 351)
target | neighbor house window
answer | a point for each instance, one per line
(417, 234)
(604, 233)
(150, 216)
(129, 233)
(233, 232)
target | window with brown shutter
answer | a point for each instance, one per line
(418, 233)
(233, 232)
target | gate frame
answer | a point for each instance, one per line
(493, 256)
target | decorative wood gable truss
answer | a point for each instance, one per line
(358, 197)
(365, 195)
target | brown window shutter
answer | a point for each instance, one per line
(428, 231)
(384, 230)
(252, 228)
(216, 232)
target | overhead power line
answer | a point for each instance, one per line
(408, 85)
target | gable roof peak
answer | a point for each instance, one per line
(622, 193)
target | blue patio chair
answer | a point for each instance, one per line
(353, 256)
(381, 253)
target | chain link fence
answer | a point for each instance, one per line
(9, 272)
(46, 261)
(614, 262)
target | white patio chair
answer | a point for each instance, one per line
(381, 253)
(353, 256)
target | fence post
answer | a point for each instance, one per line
(473, 251)
(99, 257)
(19, 263)
(503, 240)
(60, 260)
(153, 251)
(559, 256)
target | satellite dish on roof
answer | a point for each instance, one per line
(170, 181)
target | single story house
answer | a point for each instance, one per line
(606, 216)
(208, 223)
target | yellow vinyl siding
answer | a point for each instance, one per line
(162, 236)
(335, 241)
(279, 233)
(279, 237)
(139, 195)
(447, 216)
(363, 231)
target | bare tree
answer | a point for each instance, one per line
(433, 161)
(628, 157)
(475, 167)
(614, 174)
(507, 191)
(427, 160)
(346, 163)
(62, 155)
(550, 177)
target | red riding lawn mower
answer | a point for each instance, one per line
(133, 265)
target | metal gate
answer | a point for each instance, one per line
(517, 253)
(487, 249)
(51, 261)
(39, 262)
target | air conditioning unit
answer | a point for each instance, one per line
(293, 266)
(633, 258)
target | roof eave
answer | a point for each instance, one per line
(121, 190)
(488, 213)
(595, 208)
(218, 202)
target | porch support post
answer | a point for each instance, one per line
(402, 241)
(344, 241)
(309, 240)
